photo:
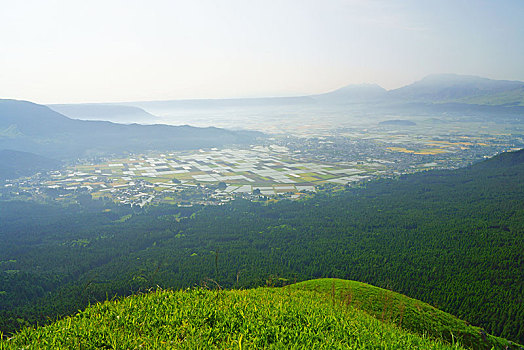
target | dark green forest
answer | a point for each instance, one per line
(452, 238)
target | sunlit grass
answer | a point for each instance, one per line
(202, 319)
(398, 309)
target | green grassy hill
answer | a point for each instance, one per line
(326, 313)
(409, 314)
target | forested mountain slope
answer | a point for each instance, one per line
(453, 238)
(15, 164)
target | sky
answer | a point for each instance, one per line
(69, 51)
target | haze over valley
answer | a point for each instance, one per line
(282, 174)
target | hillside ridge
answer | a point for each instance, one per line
(408, 313)
(30, 127)
(323, 313)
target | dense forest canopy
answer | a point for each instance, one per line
(453, 239)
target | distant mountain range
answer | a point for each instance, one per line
(453, 88)
(29, 127)
(109, 112)
(436, 89)
(434, 93)
(353, 93)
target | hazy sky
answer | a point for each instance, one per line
(110, 50)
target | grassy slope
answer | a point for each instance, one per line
(323, 313)
(259, 318)
(410, 314)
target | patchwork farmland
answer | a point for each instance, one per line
(219, 174)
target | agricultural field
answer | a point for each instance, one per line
(281, 166)
(215, 175)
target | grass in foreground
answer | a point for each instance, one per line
(280, 318)
(410, 314)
